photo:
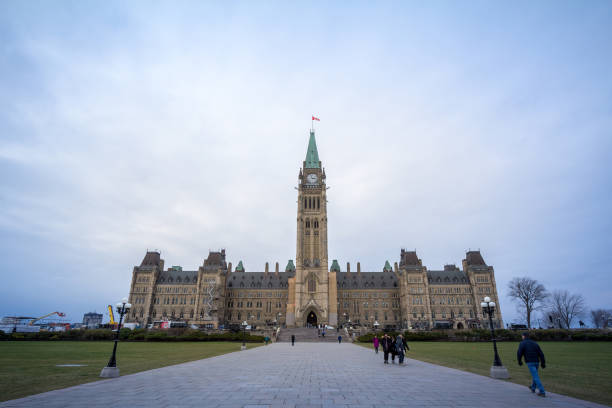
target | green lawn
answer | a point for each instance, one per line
(29, 367)
(578, 369)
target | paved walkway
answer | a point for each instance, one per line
(307, 375)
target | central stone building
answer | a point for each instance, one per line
(311, 291)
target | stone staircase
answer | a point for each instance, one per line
(309, 335)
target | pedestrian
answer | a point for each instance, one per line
(400, 347)
(339, 339)
(293, 339)
(386, 345)
(323, 333)
(533, 357)
(393, 350)
(375, 341)
(266, 340)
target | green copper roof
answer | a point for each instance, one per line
(335, 267)
(387, 267)
(239, 267)
(290, 266)
(312, 155)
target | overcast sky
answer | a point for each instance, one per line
(127, 126)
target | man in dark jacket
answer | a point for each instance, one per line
(387, 345)
(533, 357)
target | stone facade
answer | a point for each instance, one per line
(407, 295)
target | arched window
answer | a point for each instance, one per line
(307, 223)
(305, 202)
(318, 203)
(312, 284)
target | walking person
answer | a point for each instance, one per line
(293, 339)
(387, 345)
(376, 343)
(533, 357)
(400, 347)
(339, 339)
(393, 350)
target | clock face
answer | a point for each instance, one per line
(311, 178)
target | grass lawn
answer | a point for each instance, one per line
(29, 367)
(578, 369)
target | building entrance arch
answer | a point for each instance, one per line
(459, 326)
(311, 319)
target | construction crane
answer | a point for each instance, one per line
(110, 313)
(60, 314)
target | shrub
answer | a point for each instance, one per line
(97, 334)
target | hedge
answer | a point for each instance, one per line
(126, 334)
(500, 335)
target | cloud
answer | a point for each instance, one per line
(129, 127)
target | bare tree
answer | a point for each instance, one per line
(601, 318)
(529, 294)
(566, 306)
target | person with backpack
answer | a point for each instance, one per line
(534, 356)
(376, 343)
(400, 347)
(393, 350)
(293, 339)
(339, 339)
(387, 345)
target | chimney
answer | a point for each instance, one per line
(395, 267)
(358, 267)
(276, 271)
(229, 267)
(348, 267)
(267, 268)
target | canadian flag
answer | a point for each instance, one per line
(315, 118)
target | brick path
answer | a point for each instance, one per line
(307, 375)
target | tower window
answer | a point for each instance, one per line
(305, 202)
(318, 203)
(307, 223)
(312, 284)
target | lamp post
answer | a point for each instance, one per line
(376, 326)
(244, 325)
(497, 369)
(111, 370)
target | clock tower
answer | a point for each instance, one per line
(312, 292)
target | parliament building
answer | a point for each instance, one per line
(312, 291)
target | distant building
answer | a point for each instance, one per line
(92, 320)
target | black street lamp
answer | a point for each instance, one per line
(244, 325)
(111, 370)
(497, 370)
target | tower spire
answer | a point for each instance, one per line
(312, 154)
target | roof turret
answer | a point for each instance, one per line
(387, 267)
(290, 266)
(335, 266)
(239, 267)
(312, 155)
